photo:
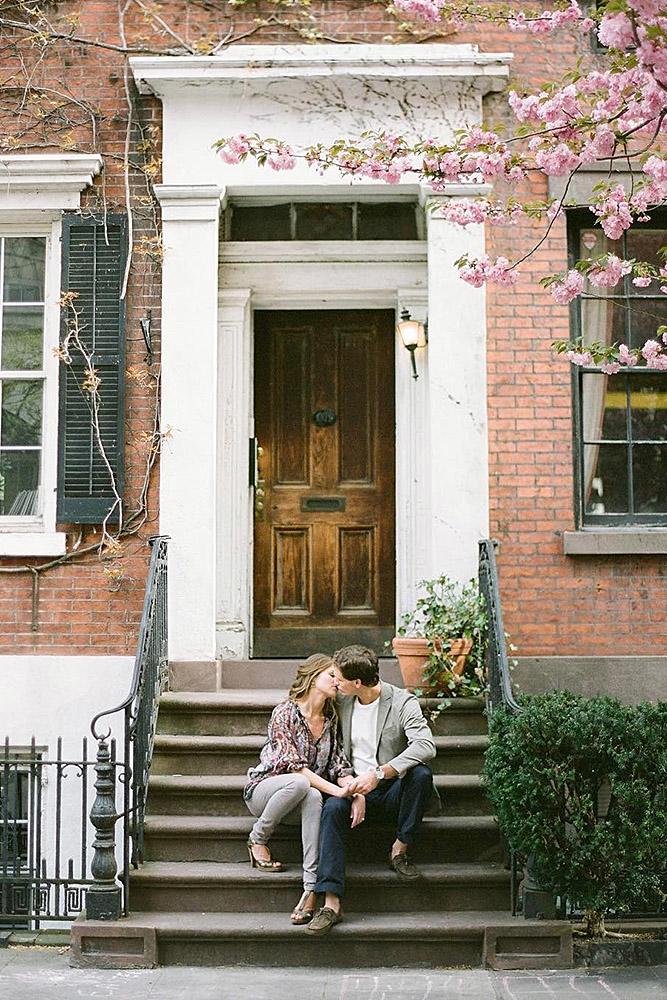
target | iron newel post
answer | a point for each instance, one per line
(103, 899)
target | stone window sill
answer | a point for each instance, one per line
(615, 542)
(32, 543)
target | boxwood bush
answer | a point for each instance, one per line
(579, 785)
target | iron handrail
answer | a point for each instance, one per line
(139, 709)
(497, 662)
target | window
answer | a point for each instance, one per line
(22, 372)
(620, 420)
(393, 220)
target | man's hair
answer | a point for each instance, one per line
(357, 663)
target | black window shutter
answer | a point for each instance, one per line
(94, 253)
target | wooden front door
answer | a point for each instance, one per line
(324, 572)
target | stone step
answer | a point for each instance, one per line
(221, 795)
(245, 712)
(188, 675)
(186, 754)
(223, 838)
(206, 887)
(404, 940)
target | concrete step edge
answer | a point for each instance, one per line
(198, 873)
(233, 784)
(184, 742)
(177, 825)
(242, 699)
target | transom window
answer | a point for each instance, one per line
(621, 420)
(392, 220)
(22, 374)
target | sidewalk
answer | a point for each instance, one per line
(43, 974)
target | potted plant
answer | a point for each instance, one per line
(440, 645)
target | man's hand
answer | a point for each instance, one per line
(358, 810)
(365, 783)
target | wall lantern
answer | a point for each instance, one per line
(413, 335)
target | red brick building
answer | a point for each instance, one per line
(250, 297)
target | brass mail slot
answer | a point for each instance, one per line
(322, 503)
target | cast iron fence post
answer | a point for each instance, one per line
(103, 899)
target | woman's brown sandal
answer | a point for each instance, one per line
(264, 866)
(301, 915)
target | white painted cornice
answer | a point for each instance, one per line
(189, 202)
(163, 75)
(45, 181)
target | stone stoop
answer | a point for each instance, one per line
(196, 900)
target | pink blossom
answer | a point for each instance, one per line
(650, 349)
(657, 361)
(582, 358)
(626, 356)
(615, 31)
(614, 212)
(606, 275)
(426, 10)
(664, 338)
(656, 168)
(610, 367)
(499, 272)
(465, 212)
(281, 159)
(641, 281)
(234, 149)
(558, 161)
(566, 290)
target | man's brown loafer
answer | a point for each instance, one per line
(323, 921)
(402, 865)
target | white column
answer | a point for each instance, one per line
(235, 428)
(413, 480)
(457, 399)
(188, 466)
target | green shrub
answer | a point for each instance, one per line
(579, 786)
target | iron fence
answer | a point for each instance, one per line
(45, 833)
(50, 866)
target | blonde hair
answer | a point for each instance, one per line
(306, 674)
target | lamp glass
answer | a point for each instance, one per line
(411, 332)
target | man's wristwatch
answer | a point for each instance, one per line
(379, 773)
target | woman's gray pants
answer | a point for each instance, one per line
(289, 798)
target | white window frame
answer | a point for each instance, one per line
(35, 189)
(45, 521)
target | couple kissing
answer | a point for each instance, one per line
(344, 748)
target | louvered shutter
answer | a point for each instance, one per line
(94, 255)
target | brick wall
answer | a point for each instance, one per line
(553, 604)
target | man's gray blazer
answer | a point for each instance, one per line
(403, 736)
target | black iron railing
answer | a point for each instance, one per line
(497, 662)
(44, 843)
(106, 899)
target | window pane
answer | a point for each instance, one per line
(21, 416)
(649, 477)
(323, 222)
(604, 320)
(22, 338)
(261, 222)
(605, 479)
(19, 483)
(644, 244)
(646, 315)
(24, 269)
(649, 407)
(604, 407)
(387, 221)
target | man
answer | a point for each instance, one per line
(387, 741)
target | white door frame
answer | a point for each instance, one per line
(258, 276)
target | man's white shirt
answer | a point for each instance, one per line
(363, 736)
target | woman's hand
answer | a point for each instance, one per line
(342, 792)
(358, 810)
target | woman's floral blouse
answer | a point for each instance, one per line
(291, 747)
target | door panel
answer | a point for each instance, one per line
(324, 533)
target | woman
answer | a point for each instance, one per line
(302, 759)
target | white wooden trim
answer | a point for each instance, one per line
(312, 252)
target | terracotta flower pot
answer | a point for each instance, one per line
(412, 653)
